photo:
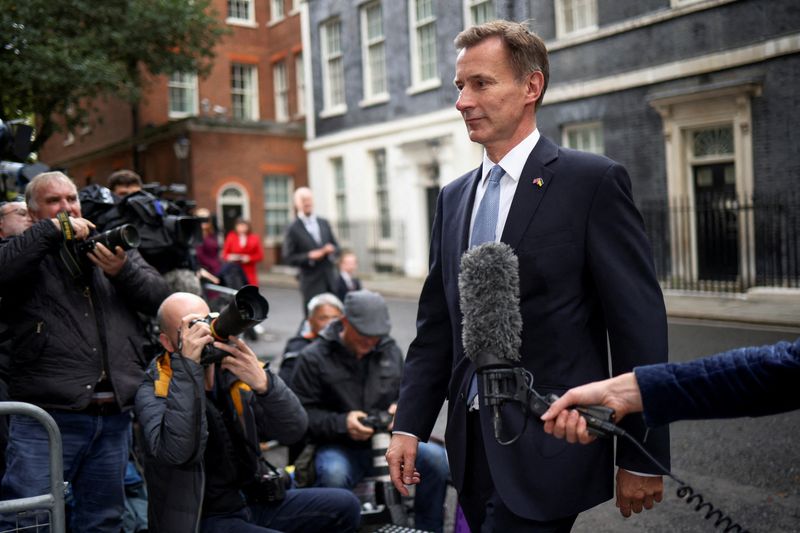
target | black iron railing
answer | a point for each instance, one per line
(724, 243)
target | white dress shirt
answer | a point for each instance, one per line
(513, 163)
(312, 226)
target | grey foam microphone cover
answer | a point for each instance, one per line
(489, 289)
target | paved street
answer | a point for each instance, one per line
(748, 467)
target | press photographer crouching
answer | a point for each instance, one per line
(76, 352)
(202, 424)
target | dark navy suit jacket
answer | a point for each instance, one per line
(586, 272)
(752, 381)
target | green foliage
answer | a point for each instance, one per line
(57, 55)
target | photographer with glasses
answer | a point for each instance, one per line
(202, 423)
(77, 344)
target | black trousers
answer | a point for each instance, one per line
(484, 510)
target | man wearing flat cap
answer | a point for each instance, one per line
(353, 370)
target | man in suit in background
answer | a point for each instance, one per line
(586, 281)
(309, 244)
(347, 282)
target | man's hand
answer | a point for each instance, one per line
(108, 262)
(355, 428)
(194, 338)
(80, 226)
(243, 363)
(620, 393)
(401, 455)
(637, 492)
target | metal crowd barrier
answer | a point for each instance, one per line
(52, 502)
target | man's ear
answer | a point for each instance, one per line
(535, 86)
(166, 343)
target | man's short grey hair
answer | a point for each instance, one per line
(42, 180)
(325, 298)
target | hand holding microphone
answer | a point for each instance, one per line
(620, 393)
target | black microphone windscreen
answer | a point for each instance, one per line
(489, 289)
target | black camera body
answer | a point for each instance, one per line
(247, 309)
(269, 485)
(126, 236)
(379, 421)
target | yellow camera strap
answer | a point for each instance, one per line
(66, 228)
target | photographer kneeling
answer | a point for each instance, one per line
(202, 424)
(351, 370)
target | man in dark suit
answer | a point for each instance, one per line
(309, 244)
(347, 281)
(586, 282)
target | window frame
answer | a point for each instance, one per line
(250, 21)
(418, 84)
(300, 84)
(330, 108)
(190, 85)
(469, 5)
(561, 20)
(280, 88)
(595, 131)
(368, 46)
(281, 11)
(270, 206)
(250, 94)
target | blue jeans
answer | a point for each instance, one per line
(302, 510)
(342, 466)
(95, 453)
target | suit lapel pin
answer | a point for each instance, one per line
(538, 182)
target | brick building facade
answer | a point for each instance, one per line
(234, 138)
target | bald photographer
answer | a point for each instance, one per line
(204, 406)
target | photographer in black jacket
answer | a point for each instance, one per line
(354, 369)
(76, 345)
(202, 425)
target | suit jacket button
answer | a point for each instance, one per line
(460, 395)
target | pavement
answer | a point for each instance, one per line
(762, 306)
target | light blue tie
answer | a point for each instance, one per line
(483, 230)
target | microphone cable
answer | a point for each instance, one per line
(598, 421)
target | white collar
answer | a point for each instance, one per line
(514, 161)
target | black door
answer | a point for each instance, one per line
(230, 213)
(717, 222)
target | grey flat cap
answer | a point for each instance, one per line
(367, 312)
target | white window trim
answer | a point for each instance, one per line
(582, 126)
(370, 98)
(468, 11)
(249, 22)
(561, 31)
(280, 94)
(275, 20)
(268, 239)
(194, 104)
(329, 110)
(295, 8)
(417, 85)
(254, 107)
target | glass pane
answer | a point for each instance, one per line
(713, 141)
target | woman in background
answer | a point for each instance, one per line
(243, 248)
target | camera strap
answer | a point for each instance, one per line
(67, 252)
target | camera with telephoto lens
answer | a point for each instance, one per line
(379, 421)
(247, 309)
(126, 236)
